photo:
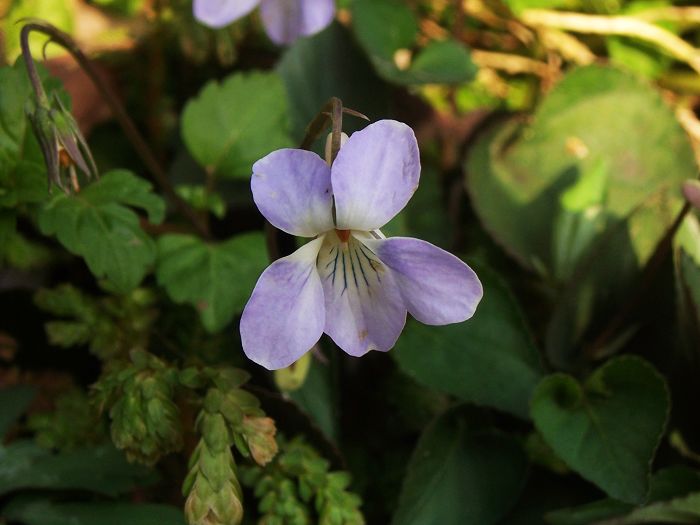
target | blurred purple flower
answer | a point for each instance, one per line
(350, 282)
(284, 20)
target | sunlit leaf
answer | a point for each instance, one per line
(233, 123)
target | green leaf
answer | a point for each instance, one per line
(489, 360)
(667, 484)
(98, 225)
(460, 473)
(101, 469)
(326, 65)
(317, 398)
(44, 512)
(56, 12)
(215, 278)
(232, 124)
(387, 30)
(442, 62)
(607, 429)
(14, 401)
(518, 175)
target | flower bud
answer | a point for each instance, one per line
(61, 142)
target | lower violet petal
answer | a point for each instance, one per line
(364, 308)
(437, 287)
(285, 315)
(287, 20)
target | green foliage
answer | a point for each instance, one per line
(139, 395)
(72, 424)
(298, 485)
(517, 190)
(45, 512)
(355, 82)
(391, 52)
(578, 188)
(14, 400)
(111, 325)
(671, 494)
(461, 472)
(201, 274)
(231, 124)
(490, 360)
(229, 416)
(608, 428)
(101, 469)
(98, 225)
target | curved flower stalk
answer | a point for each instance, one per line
(350, 281)
(284, 20)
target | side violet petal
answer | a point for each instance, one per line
(437, 287)
(285, 314)
(220, 13)
(364, 308)
(292, 189)
(287, 20)
(375, 175)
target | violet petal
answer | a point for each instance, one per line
(375, 175)
(437, 287)
(292, 189)
(285, 314)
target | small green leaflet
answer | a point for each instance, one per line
(215, 278)
(99, 225)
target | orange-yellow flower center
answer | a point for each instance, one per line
(343, 235)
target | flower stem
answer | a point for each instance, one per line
(130, 130)
(598, 348)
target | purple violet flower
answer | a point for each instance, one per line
(284, 20)
(350, 281)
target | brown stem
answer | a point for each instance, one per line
(130, 130)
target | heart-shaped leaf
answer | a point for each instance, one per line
(607, 429)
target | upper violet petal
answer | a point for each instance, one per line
(220, 13)
(437, 287)
(364, 308)
(292, 189)
(285, 314)
(287, 20)
(374, 175)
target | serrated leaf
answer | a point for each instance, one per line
(232, 124)
(45, 512)
(98, 225)
(101, 469)
(490, 359)
(215, 278)
(608, 428)
(460, 473)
